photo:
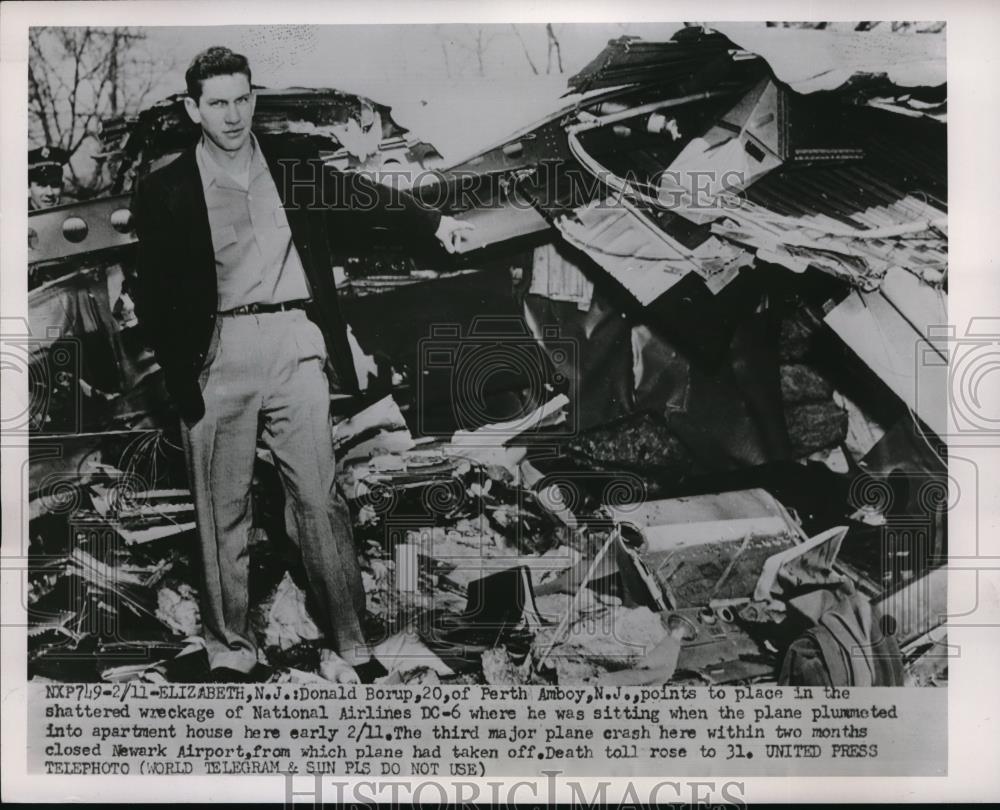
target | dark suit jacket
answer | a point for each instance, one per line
(176, 294)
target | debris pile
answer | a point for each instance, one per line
(477, 572)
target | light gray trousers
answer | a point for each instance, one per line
(264, 376)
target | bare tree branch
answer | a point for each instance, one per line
(79, 76)
(524, 47)
(34, 95)
(554, 46)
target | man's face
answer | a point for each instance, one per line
(44, 194)
(224, 110)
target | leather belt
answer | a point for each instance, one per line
(256, 309)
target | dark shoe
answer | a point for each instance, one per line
(370, 670)
(191, 667)
(258, 674)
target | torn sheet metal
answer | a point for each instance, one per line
(351, 131)
(666, 524)
(808, 562)
(509, 458)
(489, 108)
(863, 432)
(141, 517)
(877, 67)
(660, 372)
(907, 233)
(503, 434)
(906, 104)
(737, 150)
(539, 160)
(78, 307)
(89, 367)
(863, 199)
(496, 224)
(857, 219)
(382, 477)
(640, 256)
(698, 574)
(745, 143)
(673, 63)
(379, 428)
(709, 548)
(888, 330)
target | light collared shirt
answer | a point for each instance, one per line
(255, 258)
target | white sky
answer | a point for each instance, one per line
(353, 55)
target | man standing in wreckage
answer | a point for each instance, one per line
(235, 292)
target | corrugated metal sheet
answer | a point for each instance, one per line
(855, 220)
(671, 64)
(807, 61)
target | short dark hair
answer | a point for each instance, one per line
(214, 61)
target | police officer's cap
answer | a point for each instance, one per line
(45, 165)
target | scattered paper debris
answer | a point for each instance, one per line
(288, 620)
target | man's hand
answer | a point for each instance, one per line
(452, 232)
